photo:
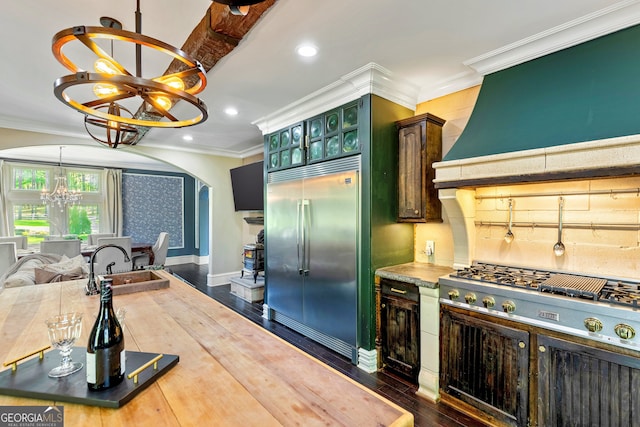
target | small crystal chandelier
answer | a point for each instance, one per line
(61, 195)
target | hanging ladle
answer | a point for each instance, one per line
(558, 248)
(509, 236)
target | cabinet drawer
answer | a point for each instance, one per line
(400, 289)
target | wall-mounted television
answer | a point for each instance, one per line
(247, 183)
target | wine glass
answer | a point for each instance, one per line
(120, 315)
(64, 330)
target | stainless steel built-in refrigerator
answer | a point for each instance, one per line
(311, 236)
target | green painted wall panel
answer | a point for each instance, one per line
(384, 240)
(583, 93)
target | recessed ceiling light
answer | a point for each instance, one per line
(307, 50)
(187, 138)
(230, 111)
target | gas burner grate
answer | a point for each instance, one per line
(574, 286)
(599, 289)
(503, 275)
(624, 293)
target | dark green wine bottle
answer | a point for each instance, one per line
(105, 350)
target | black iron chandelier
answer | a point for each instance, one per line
(101, 95)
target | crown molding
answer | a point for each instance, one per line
(616, 17)
(369, 79)
(605, 21)
(455, 84)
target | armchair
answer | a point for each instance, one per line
(20, 241)
(160, 249)
(8, 256)
(70, 248)
(110, 260)
(92, 239)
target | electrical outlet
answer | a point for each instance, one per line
(430, 247)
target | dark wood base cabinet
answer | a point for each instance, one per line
(509, 373)
(584, 386)
(400, 328)
(486, 366)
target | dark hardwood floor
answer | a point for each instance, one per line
(402, 393)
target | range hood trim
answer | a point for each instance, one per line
(617, 156)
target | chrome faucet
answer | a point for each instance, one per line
(92, 288)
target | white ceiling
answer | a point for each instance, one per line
(440, 46)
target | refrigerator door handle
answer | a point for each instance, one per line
(299, 235)
(305, 265)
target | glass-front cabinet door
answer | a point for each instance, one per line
(285, 148)
(334, 133)
(326, 136)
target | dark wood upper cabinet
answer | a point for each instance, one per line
(420, 144)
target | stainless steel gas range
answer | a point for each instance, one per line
(598, 308)
(527, 347)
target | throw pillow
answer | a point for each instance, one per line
(68, 264)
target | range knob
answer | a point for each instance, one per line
(508, 306)
(624, 331)
(488, 302)
(592, 324)
(470, 298)
(454, 294)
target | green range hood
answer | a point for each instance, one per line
(584, 93)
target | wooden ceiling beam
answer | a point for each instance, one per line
(218, 33)
(215, 36)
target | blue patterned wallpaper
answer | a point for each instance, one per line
(152, 204)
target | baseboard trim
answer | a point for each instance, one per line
(221, 278)
(186, 259)
(368, 360)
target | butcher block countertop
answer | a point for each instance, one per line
(231, 372)
(418, 273)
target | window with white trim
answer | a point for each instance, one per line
(30, 216)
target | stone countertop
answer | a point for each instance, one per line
(418, 273)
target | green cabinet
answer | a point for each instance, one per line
(285, 147)
(330, 135)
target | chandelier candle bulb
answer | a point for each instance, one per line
(105, 67)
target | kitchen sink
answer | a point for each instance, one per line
(137, 281)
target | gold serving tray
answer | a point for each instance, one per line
(31, 379)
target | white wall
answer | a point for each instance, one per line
(226, 225)
(456, 110)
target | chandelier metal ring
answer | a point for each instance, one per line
(115, 133)
(129, 86)
(86, 35)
